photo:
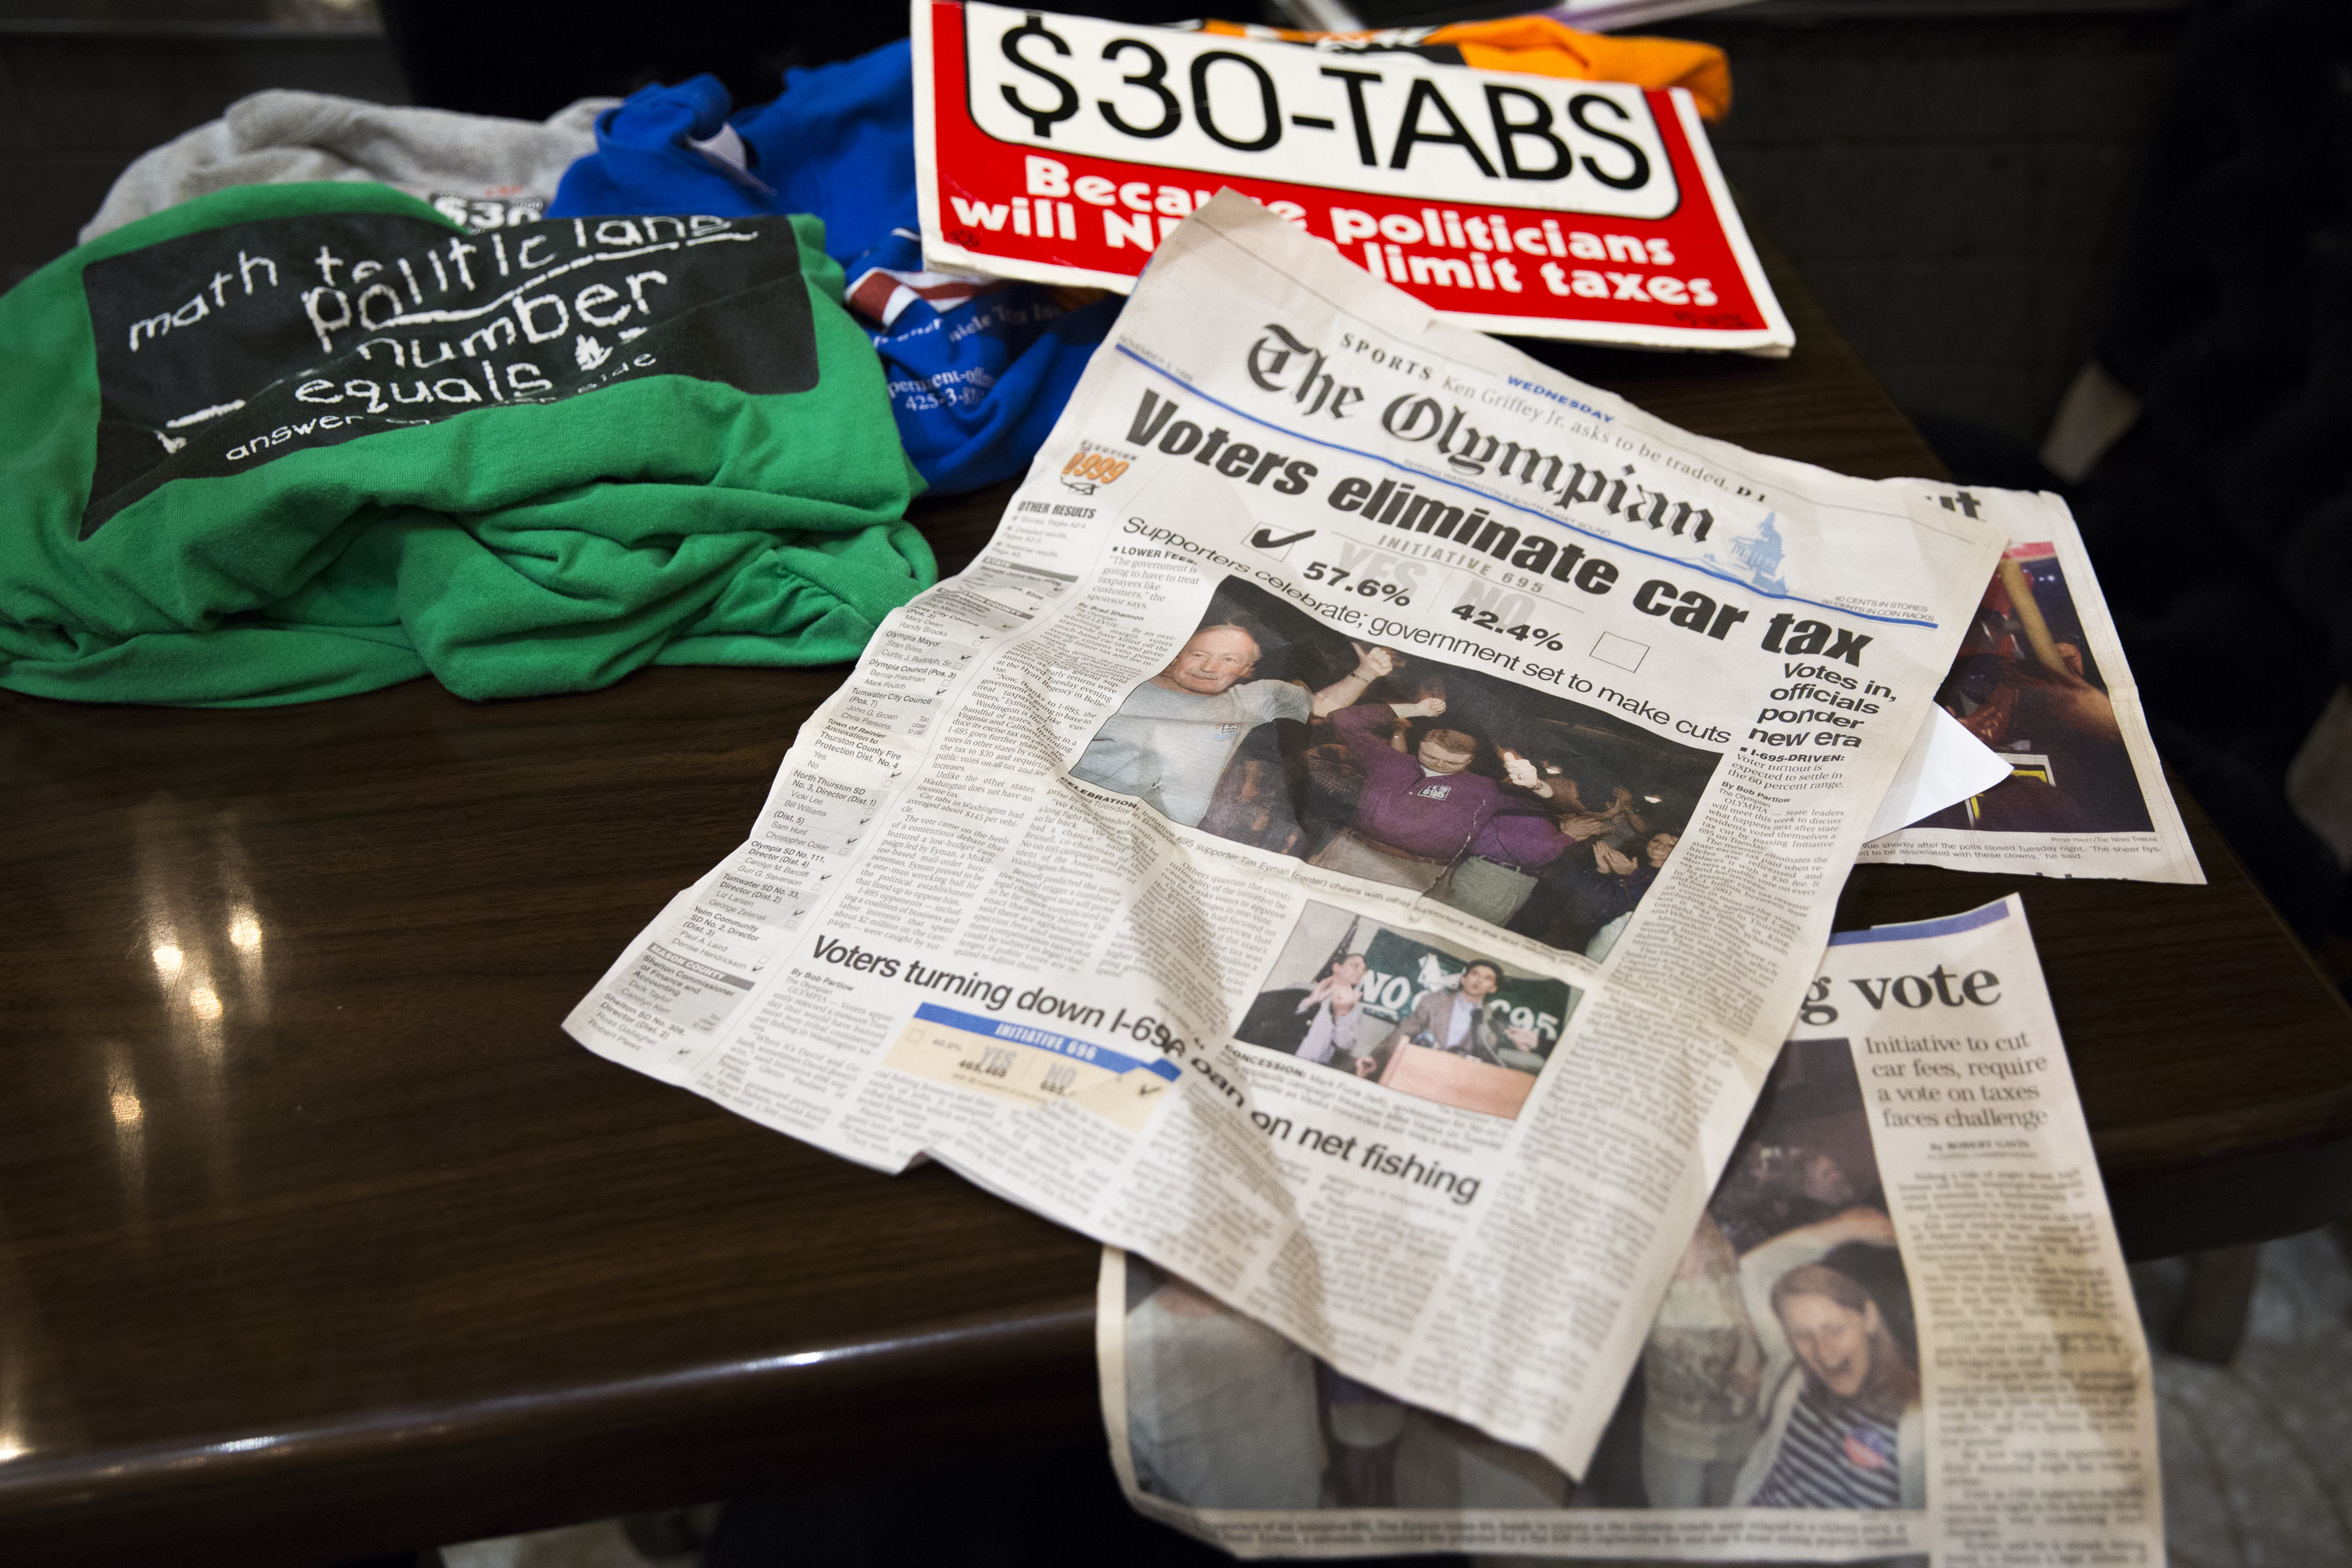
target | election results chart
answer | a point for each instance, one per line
(1063, 150)
(1029, 1065)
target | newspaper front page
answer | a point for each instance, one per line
(1356, 836)
(1901, 1328)
(2040, 677)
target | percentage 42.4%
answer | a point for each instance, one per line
(1490, 621)
(1324, 571)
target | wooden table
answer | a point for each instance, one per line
(317, 1236)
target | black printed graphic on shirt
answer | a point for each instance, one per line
(239, 345)
(481, 213)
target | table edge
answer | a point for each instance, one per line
(791, 1385)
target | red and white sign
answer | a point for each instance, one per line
(1061, 148)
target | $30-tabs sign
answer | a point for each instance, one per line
(1062, 149)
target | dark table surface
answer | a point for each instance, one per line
(318, 1237)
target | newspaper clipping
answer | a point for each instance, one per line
(2041, 678)
(1355, 837)
(1901, 1328)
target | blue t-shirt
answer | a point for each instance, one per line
(977, 374)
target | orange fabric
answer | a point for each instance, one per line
(1540, 45)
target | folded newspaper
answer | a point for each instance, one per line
(2041, 678)
(1356, 836)
(1901, 1327)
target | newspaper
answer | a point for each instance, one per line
(1901, 1328)
(1355, 836)
(2040, 677)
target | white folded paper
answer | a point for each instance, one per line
(1945, 766)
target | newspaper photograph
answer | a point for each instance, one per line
(1409, 1010)
(1901, 1329)
(1355, 837)
(2042, 679)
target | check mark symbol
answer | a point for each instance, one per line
(1265, 539)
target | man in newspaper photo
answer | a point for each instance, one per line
(1518, 842)
(1333, 999)
(1456, 1021)
(1170, 740)
(1702, 1371)
(1417, 814)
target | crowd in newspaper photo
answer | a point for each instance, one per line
(1522, 808)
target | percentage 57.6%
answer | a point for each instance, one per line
(1338, 576)
(1542, 636)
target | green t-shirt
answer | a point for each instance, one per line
(287, 442)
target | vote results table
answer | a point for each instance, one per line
(317, 1237)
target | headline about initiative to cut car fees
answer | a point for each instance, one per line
(1063, 150)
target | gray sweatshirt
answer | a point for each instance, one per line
(482, 171)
